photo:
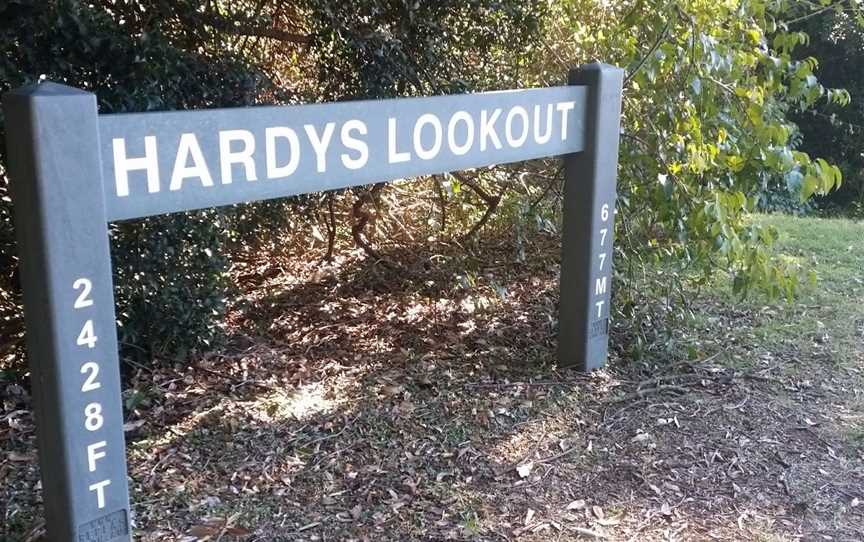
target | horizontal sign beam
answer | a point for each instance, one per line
(154, 163)
(63, 158)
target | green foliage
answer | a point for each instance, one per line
(170, 282)
(830, 130)
(373, 49)
(711, 91)
(138, 55)
(782, 199)
(707, 129)
(169, 271)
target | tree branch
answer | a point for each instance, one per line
(331, 228)
(648, 54)
(362, 217)
(237, 28)
(490, 200)
(272, 33)
(815, 13)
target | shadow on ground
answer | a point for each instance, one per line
(421, 402)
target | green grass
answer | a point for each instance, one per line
(834, 250)
(829, 312)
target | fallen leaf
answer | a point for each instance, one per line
(202, 531)
(576, 505)
(18, 457)
(441, 475)
(131, 426)
(392, 390)
(525, 469)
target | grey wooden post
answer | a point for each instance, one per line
(60, 222)
(589, 211)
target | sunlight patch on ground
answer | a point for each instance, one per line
(537, 439)
(302, 403)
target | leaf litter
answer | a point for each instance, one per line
(362, 403)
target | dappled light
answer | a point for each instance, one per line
(348, 415)
(486, 271)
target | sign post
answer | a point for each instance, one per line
(74, 171)
(62, 230)
(589, 214)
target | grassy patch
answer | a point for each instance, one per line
(826, 319)
(834, 250)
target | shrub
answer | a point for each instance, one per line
(170, 270)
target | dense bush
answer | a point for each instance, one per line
(837, 40)
(707, 129)
(169, 270)
(138, 55)
(711, 92)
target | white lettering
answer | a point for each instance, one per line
(227, 157)
(393, 156)
(600, 286)
(275, 171)
(508, 126)
(123, 165)
(431, 152)
(354, 144)
(90, 383)
(189, 147)
(320, 144)
(599, 306)
(99, 488)
(464, 117)
(93, 418)
(564, 108)
(603, 232)
(83, 301)
(93, 455)
(602, 257)
(487, 129)
(87, 337)
(542, 139)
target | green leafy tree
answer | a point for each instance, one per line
(169, 271)
(829, 130)
(709, 90)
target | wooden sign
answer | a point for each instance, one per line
(73, 171)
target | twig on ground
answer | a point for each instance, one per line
(237, 381)
(328, 437)
(645, 392)
(587, 532)
(654, 382)
(695, 364)
(538, 383)
(556, 457)
(760, 378)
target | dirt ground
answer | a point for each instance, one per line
(359, 402)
